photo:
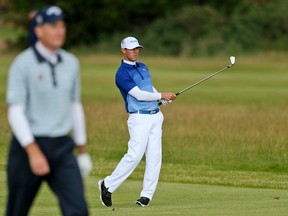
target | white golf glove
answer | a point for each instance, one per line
(164, 102)
(85, 164)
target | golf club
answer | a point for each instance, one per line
(232, 61)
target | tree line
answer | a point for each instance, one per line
(182, 27)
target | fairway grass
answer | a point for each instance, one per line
(225, 146)
(170, 199)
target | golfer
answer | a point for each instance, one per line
(144, 124)
(43, 97)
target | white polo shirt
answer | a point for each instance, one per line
(47, 91)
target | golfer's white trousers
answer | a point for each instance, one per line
(145, 138)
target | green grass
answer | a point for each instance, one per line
(9, 33)
(231, 122)
(172, 199)
(228, 134)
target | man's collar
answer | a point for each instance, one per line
(42, 53)
(129, 62)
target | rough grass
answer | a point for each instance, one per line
(230, 130)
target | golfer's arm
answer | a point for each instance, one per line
(144, 95)
(154, 90)
(78, 126)
(19, 124)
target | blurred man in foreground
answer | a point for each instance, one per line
(43, 97)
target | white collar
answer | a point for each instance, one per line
(51, 57)
(129, 62)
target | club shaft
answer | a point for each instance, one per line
(200, 81)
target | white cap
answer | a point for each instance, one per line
(130, 43)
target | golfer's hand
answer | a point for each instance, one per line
(169, 96)
(85, 164)
(37, 160)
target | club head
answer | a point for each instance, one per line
(232, 60)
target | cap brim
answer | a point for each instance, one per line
(51, 20)
(55, 19)
(133, 47)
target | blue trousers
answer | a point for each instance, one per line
(64, 178)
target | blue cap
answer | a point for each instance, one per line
(49, 14)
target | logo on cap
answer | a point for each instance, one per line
(39, 19)
(49, 15)
(54, 10)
